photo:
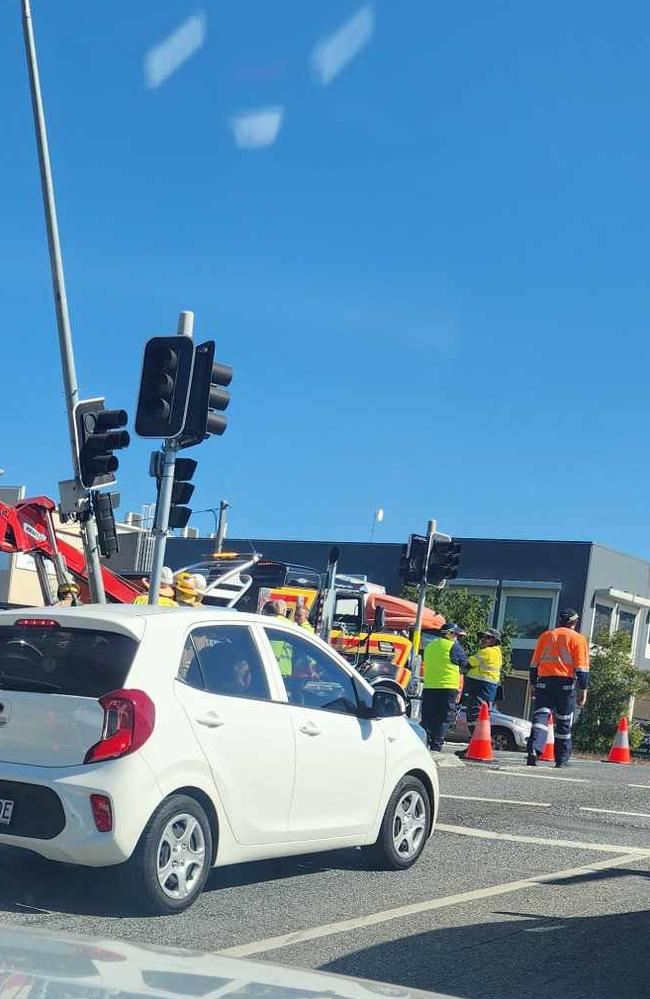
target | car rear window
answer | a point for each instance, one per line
(53, 660)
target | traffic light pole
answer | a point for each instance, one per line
(422, 595)
(163, 505)
(161, 524)
(71, 388)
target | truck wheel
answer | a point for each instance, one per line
(405, 826)
(503, 739)
(171, 863)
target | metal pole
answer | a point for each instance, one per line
(71, 388)
(161, 524)
(164, 502)
(57, 558)
(222, 526)
(422, 595)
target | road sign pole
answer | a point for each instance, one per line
(71, 388)
(422, 595)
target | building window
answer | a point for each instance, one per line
(626, 623)
(531, 615)
(602, 624)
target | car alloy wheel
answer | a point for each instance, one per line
(181, 856)
(409, 824)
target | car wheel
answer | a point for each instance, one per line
(503, 739)
(172, 860)
(405, 826)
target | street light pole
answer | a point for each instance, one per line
(422, 595)
(71, 388)
(222, 525)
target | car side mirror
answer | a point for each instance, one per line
(386, 704)
(380, 619)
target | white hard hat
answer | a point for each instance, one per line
(166, 576)
(200, 582)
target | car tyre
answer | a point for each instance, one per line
(503, 739)
(405, 826)
(171, 863)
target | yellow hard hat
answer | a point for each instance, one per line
(185, 584)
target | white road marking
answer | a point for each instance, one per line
(403, 911)
(646, 786)
(538, 840)
(498, 801)
(616, 811)
(513, 773)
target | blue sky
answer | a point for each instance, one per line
(428, 265)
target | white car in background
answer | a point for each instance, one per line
(173, 740)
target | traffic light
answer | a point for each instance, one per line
(182, 488)
(412, 562)
(106, 533)
(164, 386)
(443, 561)
(98, 433)
(179, 513)
(208, 397)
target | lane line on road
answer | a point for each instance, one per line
(646, 786)
(616, 811)
(402, 911)
(498, 801)
(513, 773)
(539, 840)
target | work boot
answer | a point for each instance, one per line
(558, 765)
(531, 760)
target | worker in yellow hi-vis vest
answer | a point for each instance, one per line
(443, 660)
(484, 674)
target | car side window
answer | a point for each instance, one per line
(312, 679)
(223, 659)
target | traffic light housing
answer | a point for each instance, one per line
(105, 520)
(413, 560)
(164, 386)
(207, 398)
(182, 488)
(443, 561)
(99, 432)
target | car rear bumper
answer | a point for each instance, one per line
(53, 815)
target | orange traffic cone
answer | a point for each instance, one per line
(549, 749)
(620, 751)
(480, 746)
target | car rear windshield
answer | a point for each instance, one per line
(54, 660)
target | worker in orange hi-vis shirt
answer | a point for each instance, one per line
(560, 664)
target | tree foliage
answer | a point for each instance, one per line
(613, 680)
(469, 610)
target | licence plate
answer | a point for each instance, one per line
(6, 811)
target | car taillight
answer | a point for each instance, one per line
(102, 812)
(37, 622)
(129, 718)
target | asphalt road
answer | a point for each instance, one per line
(535, 883)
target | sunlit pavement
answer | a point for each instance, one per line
(536, 880)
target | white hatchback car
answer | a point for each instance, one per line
(171, 741)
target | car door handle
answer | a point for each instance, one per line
(309, 728)
(210, 720)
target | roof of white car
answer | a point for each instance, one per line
(129, 615)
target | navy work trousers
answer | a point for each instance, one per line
(556, 695)
(478, 692)
(438, 713)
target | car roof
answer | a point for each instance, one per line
(134, 618)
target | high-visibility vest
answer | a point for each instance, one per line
(307, 626)
(440, 673)
(561, 652)
(283, 652)
(162, 601)
(486, 664)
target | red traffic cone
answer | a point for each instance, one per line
(549, 749)
(480, 746)
(620, 751)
